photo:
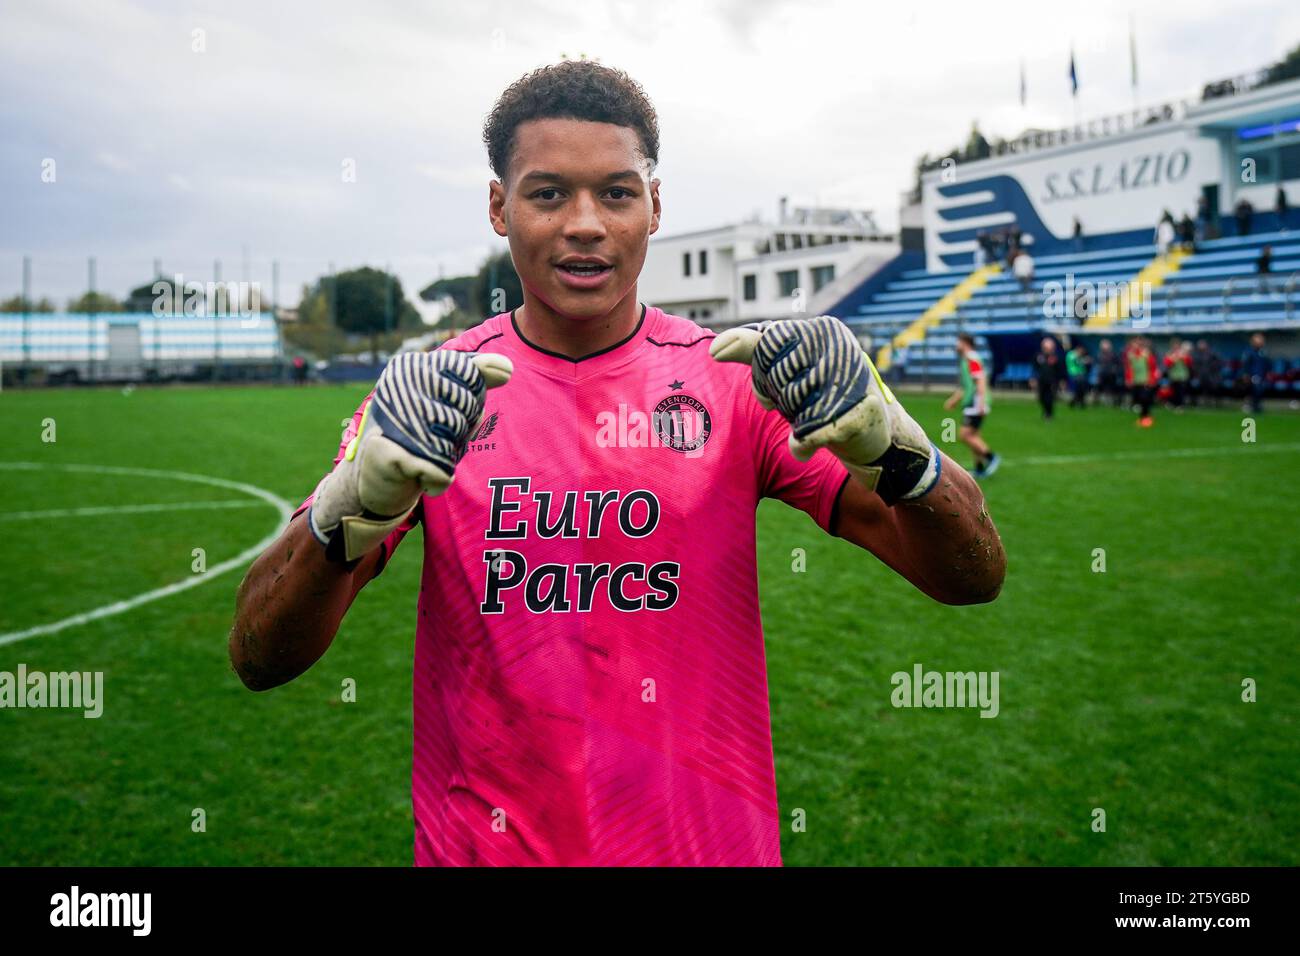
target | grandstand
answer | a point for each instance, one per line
(1223, 152)
(73, 347)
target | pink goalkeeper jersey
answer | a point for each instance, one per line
(590, 684)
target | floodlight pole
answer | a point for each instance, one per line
(90, 284)
(388, 301)
(27, 307)
(216, 321)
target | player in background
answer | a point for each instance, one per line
(1255, 365)
(974, 398)
(1078, 366)
(1110, 375)
(1049, 372)
(1141, 374)
(1178, 370)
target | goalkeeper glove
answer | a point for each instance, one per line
(413, 431)
(817, 375)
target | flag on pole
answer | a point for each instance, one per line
(1074, 76)
(1022, 82)
(1132, 54)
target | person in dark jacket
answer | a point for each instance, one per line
(1110, 374)
(1263, 266)
(1244, 212)
(1254, 367)
(1207, 373)
(1202, 219)
(1049, 372)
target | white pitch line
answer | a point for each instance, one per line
(286, 510)
(1242, 449)
(124, 509)
(283, 507)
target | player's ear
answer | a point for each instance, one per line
(655, 208)
(497, 206)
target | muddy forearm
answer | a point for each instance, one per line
(289, 607)
(950, 540)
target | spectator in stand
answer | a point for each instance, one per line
(1178, 370)
(1140, 376)
(1283, 209)
(1078, 365)
(1187, 233)
(1110, 377)
(1023, 269)
(1084, 303)
(1202, 219)
(1244, 212)
(1011, 247)
(1165, 234)
(997, 246)
(1207, 373)
(1049, 372)
(1078, 235)
(1263, 266)
(1255, 367)
(981, 249)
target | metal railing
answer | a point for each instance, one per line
(1227, 298)
(1261, 281)
(1236, 85)
(1171, 298)
(1286, 284)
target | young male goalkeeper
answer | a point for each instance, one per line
(590, 685)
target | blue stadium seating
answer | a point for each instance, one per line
(1217, 288)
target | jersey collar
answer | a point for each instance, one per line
(574, 368)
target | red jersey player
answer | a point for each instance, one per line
(590, 684)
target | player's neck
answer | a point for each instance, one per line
(576, 338)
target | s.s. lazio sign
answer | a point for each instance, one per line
(1135, 172)
(1121, 185)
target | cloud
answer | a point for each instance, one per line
(112, 161)
(457, 177)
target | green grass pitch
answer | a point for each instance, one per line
(1119, 690)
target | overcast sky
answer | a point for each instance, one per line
(164, 152)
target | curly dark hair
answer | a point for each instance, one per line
(572, 89)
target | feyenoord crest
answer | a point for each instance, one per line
(683, 423)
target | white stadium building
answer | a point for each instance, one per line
(1232, 154)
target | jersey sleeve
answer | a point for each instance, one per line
(812, 486)
(390, 543)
